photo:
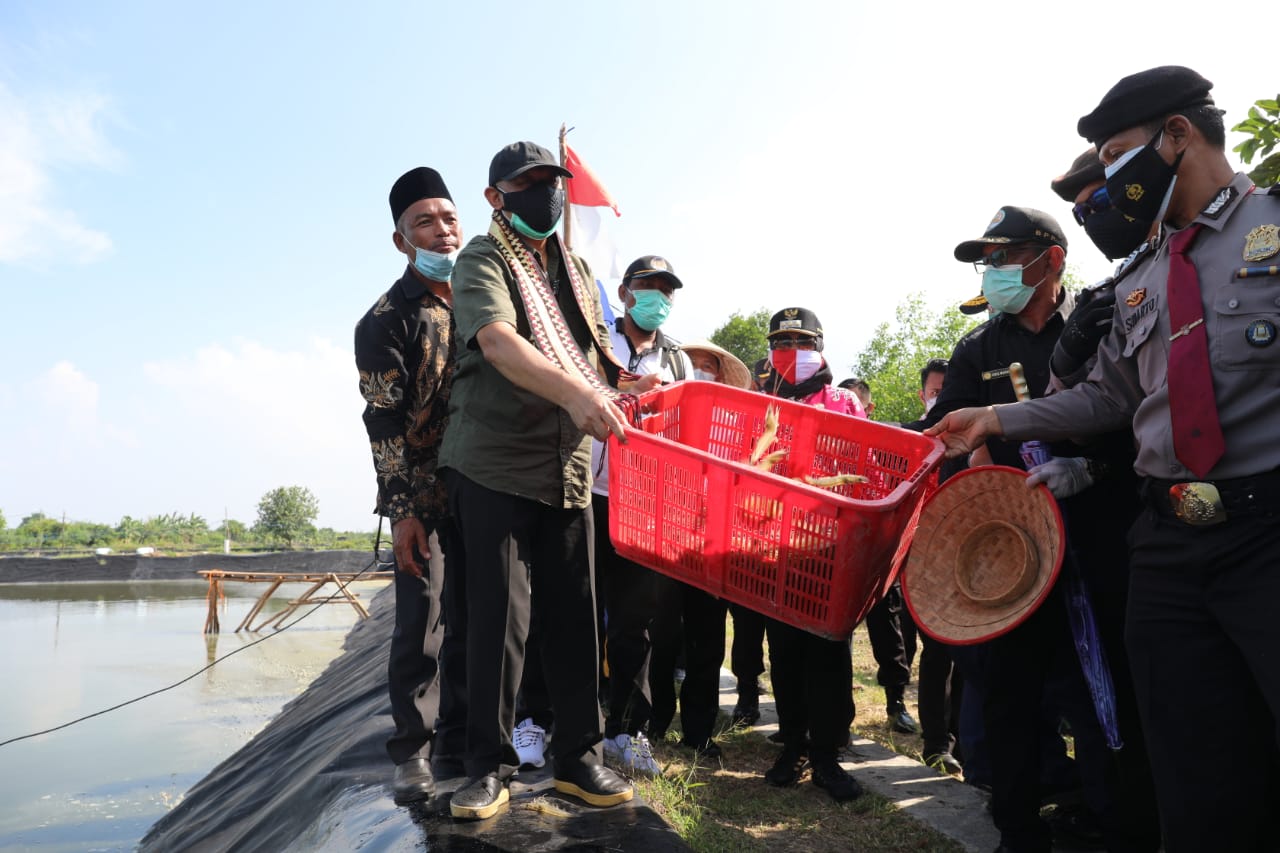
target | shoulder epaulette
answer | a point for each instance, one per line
(1135, 259)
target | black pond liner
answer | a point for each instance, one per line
(317, 778)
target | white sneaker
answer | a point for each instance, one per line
(632, 755)
(530, 741)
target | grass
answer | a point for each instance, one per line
(726, 807)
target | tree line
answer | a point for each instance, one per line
(286, 519)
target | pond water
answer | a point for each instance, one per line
(73, 649)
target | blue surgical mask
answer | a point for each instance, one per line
(651, 309)
(433, 265)
(704, 375)
(1004, 289)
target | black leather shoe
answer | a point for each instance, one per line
(835, 780)
(747, 710)
(786, 771)
(902, 722)
(480, 798)
(944, 761)
(595, 784)
(413, 781)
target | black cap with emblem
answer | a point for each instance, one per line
(647, 266)
(1014, 225)
(976, 305)
(1142, 97)
(800, 321)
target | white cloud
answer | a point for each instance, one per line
(42, 134)
(207, 432)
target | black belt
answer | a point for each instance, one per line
(1206, 502)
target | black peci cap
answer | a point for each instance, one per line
(1142, 97)
(518, 158)
(415, 185)
(800, 321)
(1087, 169)
(648, 266)
(1014, 225)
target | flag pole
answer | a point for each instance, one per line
(568, 239)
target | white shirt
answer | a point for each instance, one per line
(642, 363)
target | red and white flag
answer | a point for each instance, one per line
(591, 209)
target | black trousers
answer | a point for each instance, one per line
(633, 597)
(746, 658)
(415, 679)
(1036, 659)
(520, 556)
(941, 689)
(1204, 643)
(696, 625)
(812, 688)
(890, 648)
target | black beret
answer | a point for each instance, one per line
(1014, 225)
(1086, 169)
(1142, 97)
(415, 185)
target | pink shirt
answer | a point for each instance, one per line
(837, 400)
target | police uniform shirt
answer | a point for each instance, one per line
(1241, 315)
(656, 359)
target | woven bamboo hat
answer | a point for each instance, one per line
(985, 555)
(732, 370)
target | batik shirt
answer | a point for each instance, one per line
(404, 352)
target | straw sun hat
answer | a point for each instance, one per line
(732, 370)
(985, 555)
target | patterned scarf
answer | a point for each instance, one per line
(546, 321)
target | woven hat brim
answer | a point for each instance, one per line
(987, 493)
(732, 370)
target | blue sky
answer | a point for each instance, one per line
(193, 203)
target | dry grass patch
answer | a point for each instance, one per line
(727, 807)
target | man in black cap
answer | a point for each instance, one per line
(404, 352)
(1022, 255)
(527, 397)
(636, 597)
(1191, 363)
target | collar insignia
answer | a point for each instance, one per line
(1219, 203)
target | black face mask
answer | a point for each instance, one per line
(1115, 234)
(538, 208)
(1140, 183)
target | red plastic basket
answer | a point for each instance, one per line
(683, 501)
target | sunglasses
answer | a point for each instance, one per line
(1000, 257)
(1095, 203)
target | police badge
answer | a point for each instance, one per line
(1262, 242)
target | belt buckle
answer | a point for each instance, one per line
(1197, 504)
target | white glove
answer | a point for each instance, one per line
(1065, 476)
